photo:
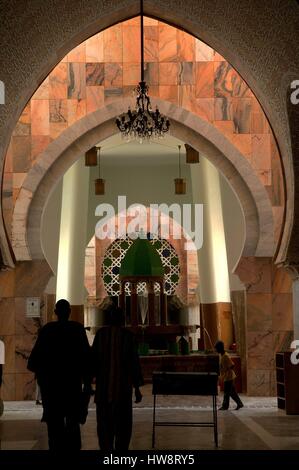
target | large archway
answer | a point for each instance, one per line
(66, 149)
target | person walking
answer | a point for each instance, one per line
(60, 359)
(117, 371)
(228, 376)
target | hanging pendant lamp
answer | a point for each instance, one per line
(142, 123)
(99, 182)
(180, 183)
(91, 157)
(192, 155)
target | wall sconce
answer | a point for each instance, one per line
(192, 155)
(180, 183)
(99, 182)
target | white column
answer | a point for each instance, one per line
(212, 257)
(72, 240)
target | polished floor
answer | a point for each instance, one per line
(259, 425)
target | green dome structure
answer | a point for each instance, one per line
(141, 259)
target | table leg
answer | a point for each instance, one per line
(154, 422)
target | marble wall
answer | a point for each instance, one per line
(269, 320)
(19, 333)
(178, 68)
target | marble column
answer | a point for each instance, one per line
(212, 257)
(72, 239)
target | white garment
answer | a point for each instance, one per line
(2, 352)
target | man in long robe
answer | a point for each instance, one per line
(117, 370)
(60, 360)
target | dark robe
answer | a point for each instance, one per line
(60, 359)
(116, 367)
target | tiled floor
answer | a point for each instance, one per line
(259, 425)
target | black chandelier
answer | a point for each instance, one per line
(143, 122)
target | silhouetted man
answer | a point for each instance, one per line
(117, 370)
(60, 359)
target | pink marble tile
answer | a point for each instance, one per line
(282, 340)
(151, 73)
(186, 96)
(95, 48)
(42, 92)
(78, 54)
(131, 44)
(203, 52)
(260, 350)
(259, 308)
(265, 176)
(168, 93)
(7, 283)
(186, 46)
(25, 386)
(204, 108)
(95, 74)
(282, 312)
(8, 391)
(241, 108)
(24, 345)
(133, 22)
(259, 122)
(261, 152)
(204, 80)
(218, 57)
(112, 94)
(168, 50)
(9, 342)
(129, 92)
(282, 281)
(243, 144)
(256, 274)
(94, 98)
(58, 111)
(7, 316)
(259, 382)
(224, 109)
(58, 82)
(38, 144)
(228, 82)
(150, 21)
(113, 75)
(40, 117)
(56, 128)
(186, 73)
(113, 44)
(151, 44)
(76, 81)
(76, 109)
(168, 73)
(131, 73)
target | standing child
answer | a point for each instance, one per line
(228, 376)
